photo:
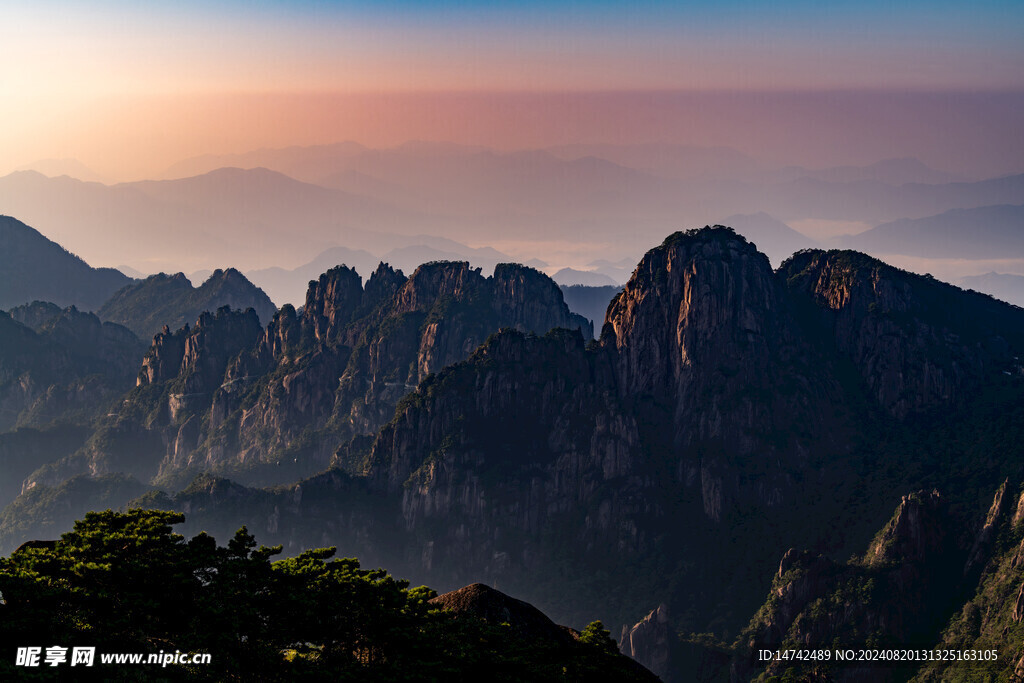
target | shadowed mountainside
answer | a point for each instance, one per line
(159, 301)
(726, 412)
(32, 268)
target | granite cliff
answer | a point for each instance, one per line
(916, 342)
(61, 365)
(275, 403)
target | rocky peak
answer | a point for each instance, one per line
(917, 342)
(801, 578)
(529, 300)
(704, 331)
(332, 302)
(215, 340)
(432, 281)
(229, 287)
(702, 299)
(36, 314)
(382, 286)
(1018, 515)
(915, 534)
(180, 280)
(650, 642)
(897, 593)
(163, 359)
(200, 354)
(493, 606)
(284, 333)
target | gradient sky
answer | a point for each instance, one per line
(130, 87)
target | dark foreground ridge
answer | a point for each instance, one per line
(124, 582)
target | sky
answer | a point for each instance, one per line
(129, 88)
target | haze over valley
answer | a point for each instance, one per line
(274, 211)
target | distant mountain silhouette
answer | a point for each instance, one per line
(772, 236)
(303, 163)
(289, 286)
(239, 214)
(132, 272)
(34, 268)
(291, 204)
(590, 302)
(1009, 288)
(73, 168)
(888, 171)
(618, 271)
(683, 162)
(875, 201)
(145, 307)
(571, 276)
(986, 232)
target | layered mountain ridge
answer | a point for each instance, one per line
(725, 413)
(61, 365)
(228, 395)
(146, 306)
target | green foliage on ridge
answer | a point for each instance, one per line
(125, 582)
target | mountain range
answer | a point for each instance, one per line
(987, 232)
(1009, 288)
(726, 413)
(280, 208)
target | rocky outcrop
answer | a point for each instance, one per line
(530, 301)
(69, 368)
(650, 642)
(1018, 671)
(704, 331)
(917, 343)
(197, 357)
(892, 595)
(163, 360)
(214, 341)
(332, 302)
(279, 402)
(914, 534)
(562, 440)
(995, 519)
(990, 616)
(483, 602)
